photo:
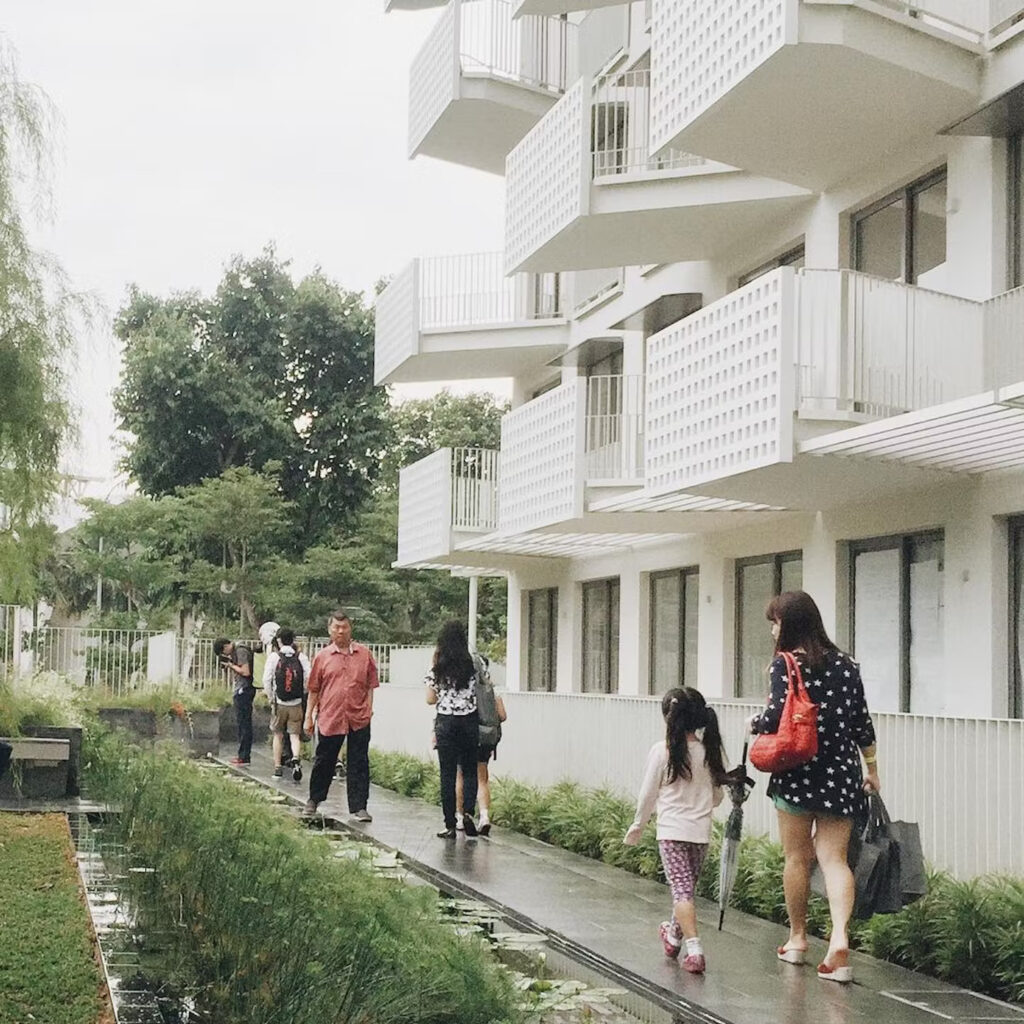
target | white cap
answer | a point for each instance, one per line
(267, 632)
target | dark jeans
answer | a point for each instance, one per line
(243, 716)
(457, 737)
(357, 781)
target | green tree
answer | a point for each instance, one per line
(38, 315)
(264, 371)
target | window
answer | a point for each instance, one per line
(674, 608)
(792, 258)
(1016, 703)
(896, 602)
(758, 580)
(541, 639)
(1015, 209)
(903, 236)
(601, 636)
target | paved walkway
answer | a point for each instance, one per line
(609, 919)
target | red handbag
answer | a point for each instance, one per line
(796, 740)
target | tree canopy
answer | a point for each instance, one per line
(264, 371)
(37, 338)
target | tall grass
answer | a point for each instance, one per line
(271, 925)
(967, 933)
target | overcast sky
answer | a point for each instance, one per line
(196, 129)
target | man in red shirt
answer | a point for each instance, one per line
(340, 687)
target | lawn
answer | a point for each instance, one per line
(48, 966)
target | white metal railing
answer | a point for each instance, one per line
(472, 290)
(957, 777)
(10, 640)
(124, 660)
(614, 432)
(1004, 339)
(880, 347)
(475, 489)
(592, 286)
(533, 50)
(620, 129)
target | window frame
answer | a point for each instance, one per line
(1015, 637)
(551, 594)
(776, 560)
(903, 543)
(785, 259)
(1015, 210)
(681, 574)
(610, 584)
(908, 194)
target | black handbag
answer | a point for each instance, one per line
(888, 863)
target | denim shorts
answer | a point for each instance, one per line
(801, 812)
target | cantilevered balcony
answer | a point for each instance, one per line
(738, 391)
(582, 190)
(810, 91)
(411, 5)
(443, 499)
(482, 80)
(555, 7)
(460, 317)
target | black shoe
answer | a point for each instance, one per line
(470, 826)
(310, 808)
(296, 772)
(447, 833)
(485, 828)
(278, 771)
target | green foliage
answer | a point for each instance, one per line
(49, 971)
(264, 371)
(967, 933)
(43, 699)
(231, 880)
(38, 319)
(161, 699)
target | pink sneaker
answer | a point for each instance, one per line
(694, 963)
(669, 941)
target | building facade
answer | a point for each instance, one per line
(762, 300)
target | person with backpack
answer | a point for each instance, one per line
(284, 682)
(236, 661)
(452, 689)
(491, 713)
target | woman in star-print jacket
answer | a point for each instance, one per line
(818, 801)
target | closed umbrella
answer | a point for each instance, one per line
(739, 785)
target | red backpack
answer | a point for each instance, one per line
(796, 740)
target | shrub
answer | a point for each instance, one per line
(269, 922)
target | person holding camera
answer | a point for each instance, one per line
(236, 661)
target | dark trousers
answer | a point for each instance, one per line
(357, 781)
(457, 739)
(243, 716)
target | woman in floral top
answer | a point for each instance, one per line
(451, 688)
(818, 801)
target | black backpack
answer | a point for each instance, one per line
(288, 677)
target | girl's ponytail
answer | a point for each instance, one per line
(714, 751)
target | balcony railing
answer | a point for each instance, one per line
(620, 129)
(614, 433)
(532, 50)
(474, 476)
(453, 489)
(881, 348)
(472, 290)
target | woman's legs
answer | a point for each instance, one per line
(483, 790)
(468, 735)
(448, 761)
(831, 839)
(795, 831)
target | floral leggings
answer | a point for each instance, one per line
(682, 863)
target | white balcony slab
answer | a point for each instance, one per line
(765, 84)
(482, 80)
(459, 317)
(556, 7)
(412, 5)
(582, 191)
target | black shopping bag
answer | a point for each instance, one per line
(913, 879)
(876, 873)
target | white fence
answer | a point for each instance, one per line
(615, 428)
(121, 660)
(958, 778)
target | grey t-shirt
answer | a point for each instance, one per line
(241, 655)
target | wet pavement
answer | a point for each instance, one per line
(608, 920)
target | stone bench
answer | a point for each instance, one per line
(39, 769)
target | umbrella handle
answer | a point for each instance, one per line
(743, 756)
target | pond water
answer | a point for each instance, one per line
(148, 987)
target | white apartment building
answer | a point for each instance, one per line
(762, 300)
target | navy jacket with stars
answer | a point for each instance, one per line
(831, 782)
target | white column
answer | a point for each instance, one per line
(473, 593)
